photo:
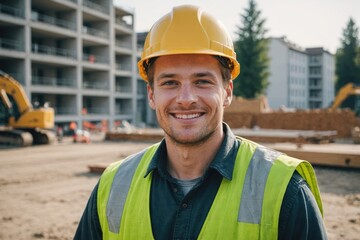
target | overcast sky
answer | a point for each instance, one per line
(307, 23)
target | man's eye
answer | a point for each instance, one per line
(169, 83)
(202, 82)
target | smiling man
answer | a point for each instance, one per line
(200, 181)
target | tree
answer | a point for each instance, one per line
(251, 49)
(348, 61)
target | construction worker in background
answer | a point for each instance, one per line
(72, 127)
(200, 181)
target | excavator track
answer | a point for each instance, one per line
(41, 136)
(15, 138)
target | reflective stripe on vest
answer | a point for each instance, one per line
(252, 197)
(254, 186)
(119, 191)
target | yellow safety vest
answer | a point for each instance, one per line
(247, 207)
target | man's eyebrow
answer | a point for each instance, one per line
(166, 75)
(197, 74)
(204, 74)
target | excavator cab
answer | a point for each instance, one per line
(20, 123)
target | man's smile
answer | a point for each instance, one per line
(187, 116)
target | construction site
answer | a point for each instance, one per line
(46, 180)
(45, 188)
(286, 130)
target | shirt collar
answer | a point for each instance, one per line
(223, 162)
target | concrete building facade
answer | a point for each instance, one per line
(321, 78)
(77, 55)
(288, 75)
(299, 78)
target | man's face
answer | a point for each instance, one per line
(189, 97)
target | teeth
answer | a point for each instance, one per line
(187, 116)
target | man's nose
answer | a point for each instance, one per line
(186, 95)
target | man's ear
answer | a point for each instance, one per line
(229, 93)
(151, 97)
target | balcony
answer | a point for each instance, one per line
(123, 23)
(55, 82)
(35, 16)
(94, 110)
(95, 32)
(95, 85)
(42, 49)
(12, 11)
(92, 58)
(123, 67)
(94, 6)
(65, 110)
(123, 44)
(123, 89)
(11, 44)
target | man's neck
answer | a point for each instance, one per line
(190, 162)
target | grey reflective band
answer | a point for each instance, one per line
(119, 190)
(254, 186)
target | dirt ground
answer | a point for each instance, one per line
(44, 189)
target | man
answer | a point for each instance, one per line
(200, 182)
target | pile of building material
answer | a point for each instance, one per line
(279, 135)
(341, 121)
(255, 105)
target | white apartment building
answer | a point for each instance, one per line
(321, 78)
(78, 55)
(300, 78)
(288, 77)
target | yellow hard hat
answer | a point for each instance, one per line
(188, 30)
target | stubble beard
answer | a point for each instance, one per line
(196, 139)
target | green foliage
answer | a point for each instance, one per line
(251, 48)
(348, 61)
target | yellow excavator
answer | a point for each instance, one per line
(345, 92)
(20, 123)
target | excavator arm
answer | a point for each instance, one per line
(345, 92)
(14, 89)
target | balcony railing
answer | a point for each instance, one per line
(122, 89)
(65, 110)
(11, 44)
(94, 6)
(48, 81)
(94, 32)
(42, 49)
(123, 23)
(13, 11)
(123, 44)
(35, 16)
(95, 85)
(123, 67)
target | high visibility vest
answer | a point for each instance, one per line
(247, 207)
